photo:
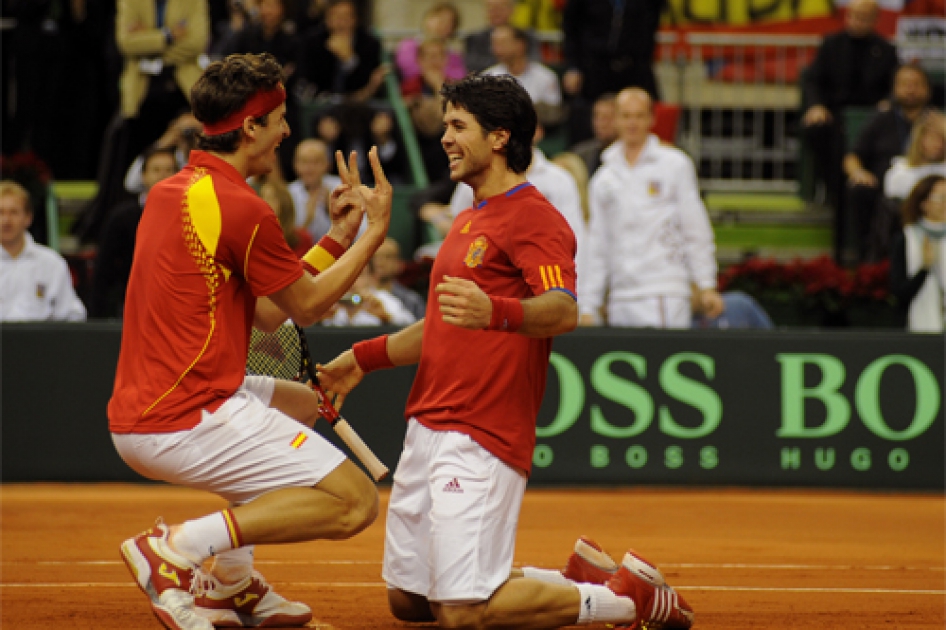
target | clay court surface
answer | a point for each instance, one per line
(743, 558)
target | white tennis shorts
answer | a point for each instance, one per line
(241, 451)
(659, 311)
(452, 517)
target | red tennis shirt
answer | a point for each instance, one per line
(207, 246)
(489, 384)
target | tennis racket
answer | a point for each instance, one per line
(284, 354)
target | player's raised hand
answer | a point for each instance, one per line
(463, 303)
(339, 377)
(346, 209)
(377, 199)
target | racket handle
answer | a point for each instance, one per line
(374, 465)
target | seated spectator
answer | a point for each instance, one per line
(310, 193)
(602, 126)
(918, 261)
(35, 283)
(117, 245)
(441, 22)
(925, 156)
(342, 60)
(511, 49)
(387, 266)
(740, 311)
(853, 67)
(369, 305)
(179, 137)
(478, 46)
(884, 137)
(274, 192)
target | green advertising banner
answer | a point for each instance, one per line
(744, 408)
(622, 407)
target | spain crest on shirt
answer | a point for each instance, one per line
(653, 188)
(474, 257)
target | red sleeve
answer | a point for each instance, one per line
(270, 265)
(543, 247)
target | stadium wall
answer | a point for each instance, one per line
(622, 407)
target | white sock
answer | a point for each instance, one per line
(599, 603)
(233, 566)
(546, 575)
(201, 538)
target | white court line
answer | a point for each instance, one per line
(760, 567)
(769, 589)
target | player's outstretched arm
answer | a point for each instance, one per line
(343, 373)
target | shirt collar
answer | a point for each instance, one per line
(204, 159)
(29, 248)
(509, 193)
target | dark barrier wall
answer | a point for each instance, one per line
(622, 407)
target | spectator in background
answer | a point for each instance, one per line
(854, 67)
(609, 46)
(387, 265)
(35, 283)
(341, 65)
(161, 43)
(478, 47)
(369, 305)
(925, 156)
(511, 49)
(117, 245)
(884, 137)
(422, 97)
(271, 30)
(440, 23)
(179, 138)
(918, 262)
(310, 192)
(649, 233)
(342, 59)
(575, 166)
(602, 126)
(275, 193)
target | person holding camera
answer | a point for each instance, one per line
(369, 305)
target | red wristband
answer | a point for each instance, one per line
(372, 354)
(332, 246)
(507, 314)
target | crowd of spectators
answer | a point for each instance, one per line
(154, 50)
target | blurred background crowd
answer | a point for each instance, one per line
(722, 164)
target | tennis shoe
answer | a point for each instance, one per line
(589, 563)
(250, 603)
(165, 577)
(658, 605)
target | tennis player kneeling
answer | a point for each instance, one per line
(503, 285)
(210, 263)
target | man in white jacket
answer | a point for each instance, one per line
(649, 233)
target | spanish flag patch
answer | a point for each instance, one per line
(299, 440)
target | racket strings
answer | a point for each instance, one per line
(277, 354)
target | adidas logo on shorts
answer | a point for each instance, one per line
(453, 486)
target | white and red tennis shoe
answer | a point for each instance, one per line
(165, 577)
(658, 605)
(589, 563)
(250, 603)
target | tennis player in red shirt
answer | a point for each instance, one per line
(503, 285)
(211, 262)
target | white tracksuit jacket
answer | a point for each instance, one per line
(649, 233)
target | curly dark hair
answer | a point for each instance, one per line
(498, 102)
(910, 210)
(225, 87)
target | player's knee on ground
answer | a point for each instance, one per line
(409, 606)
(461, 616)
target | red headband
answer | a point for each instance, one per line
(259, 104)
